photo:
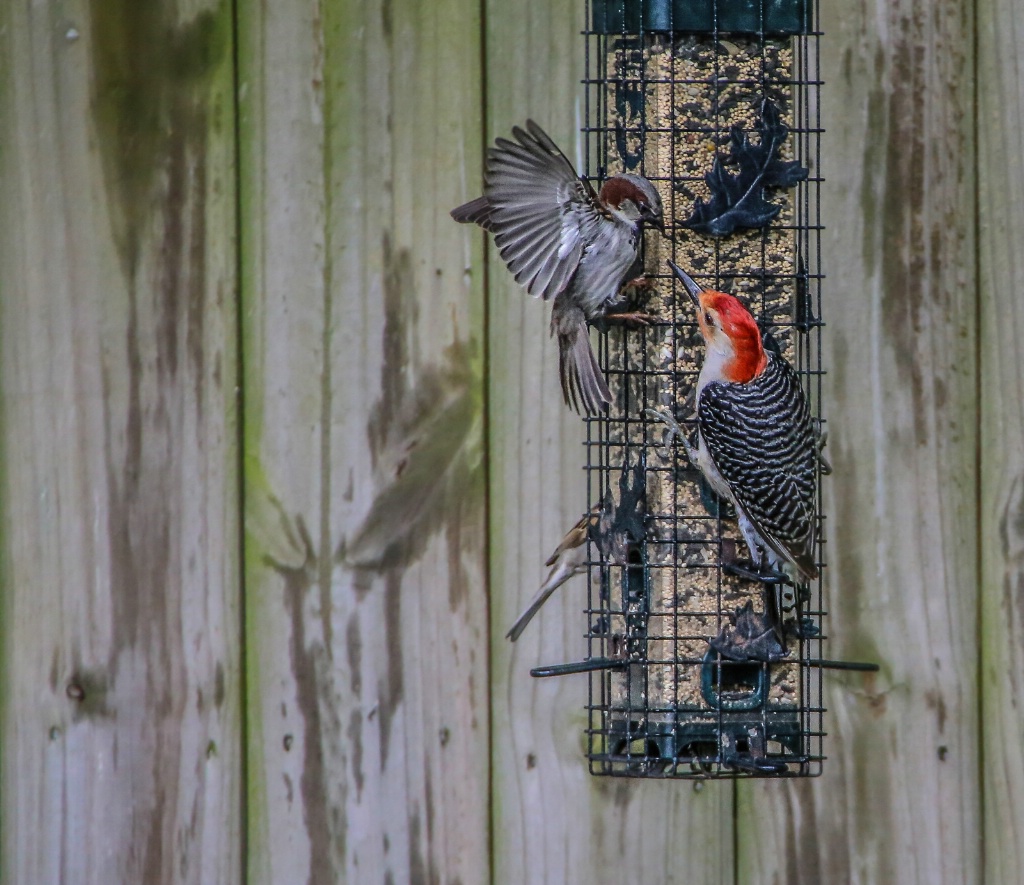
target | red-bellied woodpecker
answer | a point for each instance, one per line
(756, 442)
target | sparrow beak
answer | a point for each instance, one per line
(653, 219)
(692, 289)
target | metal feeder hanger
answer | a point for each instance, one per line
(716, 102)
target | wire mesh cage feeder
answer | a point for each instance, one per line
(716, 103)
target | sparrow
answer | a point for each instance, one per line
(569, 559)
(565, 243)
(613, 527)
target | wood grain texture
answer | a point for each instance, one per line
(899, 801)
(121, 671)
(1001, 281)
(394, 734)
(364, 439)
(554, 822)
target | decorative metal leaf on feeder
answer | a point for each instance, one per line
(738, 200)
(750, 636)
(702, 665)
(623, 524)
(805, 317)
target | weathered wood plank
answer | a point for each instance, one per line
(553, 821)
(367, 604)
(1001, 214)
(122, 715)
(899, 799)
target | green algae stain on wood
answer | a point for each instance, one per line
(151, 82)
(115, 320)
(364, 406)
(426, 440)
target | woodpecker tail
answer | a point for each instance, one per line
(802, 556)
(583, 383)
(804, 561)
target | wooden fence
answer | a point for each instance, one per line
(282, 455)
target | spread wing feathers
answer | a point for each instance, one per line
(762, 442)
(476, 211)
(583, 382)
(541, 212)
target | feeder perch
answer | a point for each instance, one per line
(716, 102)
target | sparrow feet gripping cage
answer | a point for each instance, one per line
(700, 664)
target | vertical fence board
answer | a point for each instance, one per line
(367, 607)
(899, 801)
(1001, 281)
(553, 821)
(121, 722)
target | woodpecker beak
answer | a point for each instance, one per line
(692, 289)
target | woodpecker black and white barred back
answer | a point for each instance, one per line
(756, 441)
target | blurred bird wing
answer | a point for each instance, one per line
(542, 213)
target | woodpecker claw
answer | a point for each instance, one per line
(826, 467)
(671, 429)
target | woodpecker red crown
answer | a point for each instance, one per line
(738, 323)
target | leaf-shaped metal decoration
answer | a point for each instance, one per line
(738, 199)
(805, 318)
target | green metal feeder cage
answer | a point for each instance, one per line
(716, 102)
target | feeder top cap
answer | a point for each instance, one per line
(758, 17)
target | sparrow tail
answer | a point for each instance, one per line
(558, 576)
(582, 380)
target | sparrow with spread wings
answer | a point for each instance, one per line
(565, 243)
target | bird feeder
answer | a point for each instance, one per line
(716, 102)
